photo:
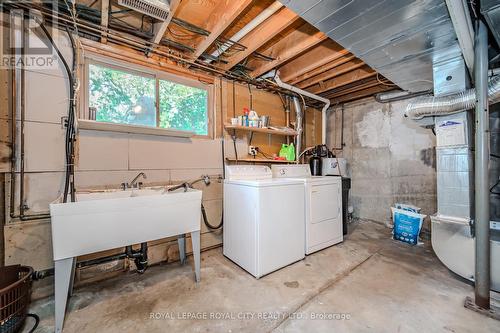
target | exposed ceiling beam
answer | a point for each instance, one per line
(262, 34)
(319, 56)
(228, 11)
(342, 80)
(104, 20)
(334, 72)
(360, 94)
(296, 43)
(352, 88)
(161, 28)
(324, 68)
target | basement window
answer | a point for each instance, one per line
(174, 99)
(124, 96)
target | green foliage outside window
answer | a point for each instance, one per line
(121, 97)
(183, 107)
(125, 98)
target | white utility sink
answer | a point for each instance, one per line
(103, 220)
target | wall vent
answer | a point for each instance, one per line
(155, 8)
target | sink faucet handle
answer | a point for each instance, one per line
(124, 186)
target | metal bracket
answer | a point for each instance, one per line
(64, 122)
(472, 228)
(492, 312)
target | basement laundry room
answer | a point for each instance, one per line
(249, 166)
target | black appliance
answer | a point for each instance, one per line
(315, 165)
(346, 186)
(315, 161)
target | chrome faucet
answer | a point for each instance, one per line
(134, 183)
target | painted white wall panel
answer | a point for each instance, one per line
(113, 179)
(102, 151)
(153, 152)
(44, 147)
(191, 174)
(43, 188)
(40, 190)
(63, 43)
(47, 97)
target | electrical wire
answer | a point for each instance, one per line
(134, 43)
(495, 185)
(180, 34)
(190, 27)
(385, 83)
(69, 185)
(250, 96)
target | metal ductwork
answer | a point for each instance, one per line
(158, 9)
(402, 40)
(491, 11)
(443, 105)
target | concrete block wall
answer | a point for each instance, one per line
(390, 158)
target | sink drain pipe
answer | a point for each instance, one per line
(140, 257)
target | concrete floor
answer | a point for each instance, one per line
(369, 283)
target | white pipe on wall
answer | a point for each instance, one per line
(315, 97)
(264, 15)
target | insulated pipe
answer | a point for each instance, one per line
(440, 106)
(264, 15)
(481, 175)
(308, 94)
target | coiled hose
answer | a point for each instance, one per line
(186, 186)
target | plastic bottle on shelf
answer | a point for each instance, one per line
(246, 111)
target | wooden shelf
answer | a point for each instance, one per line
(257, 160)
(261, 130)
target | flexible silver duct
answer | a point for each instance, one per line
(438, 106)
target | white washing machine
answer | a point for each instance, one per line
(323, 202)
(263, 219)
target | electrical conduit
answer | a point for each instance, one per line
(264, 15)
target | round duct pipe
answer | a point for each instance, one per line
(438, 106)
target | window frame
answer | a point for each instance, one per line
(157, 75)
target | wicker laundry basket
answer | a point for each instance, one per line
(15, 295)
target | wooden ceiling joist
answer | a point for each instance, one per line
(262, 34)
(305, 57)
(342, 80)
(351, 88)
(295, 44)
(334, 72)
(161, 28)
(340, 61)
(221, 20)
(104, 20)
(323, 54)
(360, 94)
